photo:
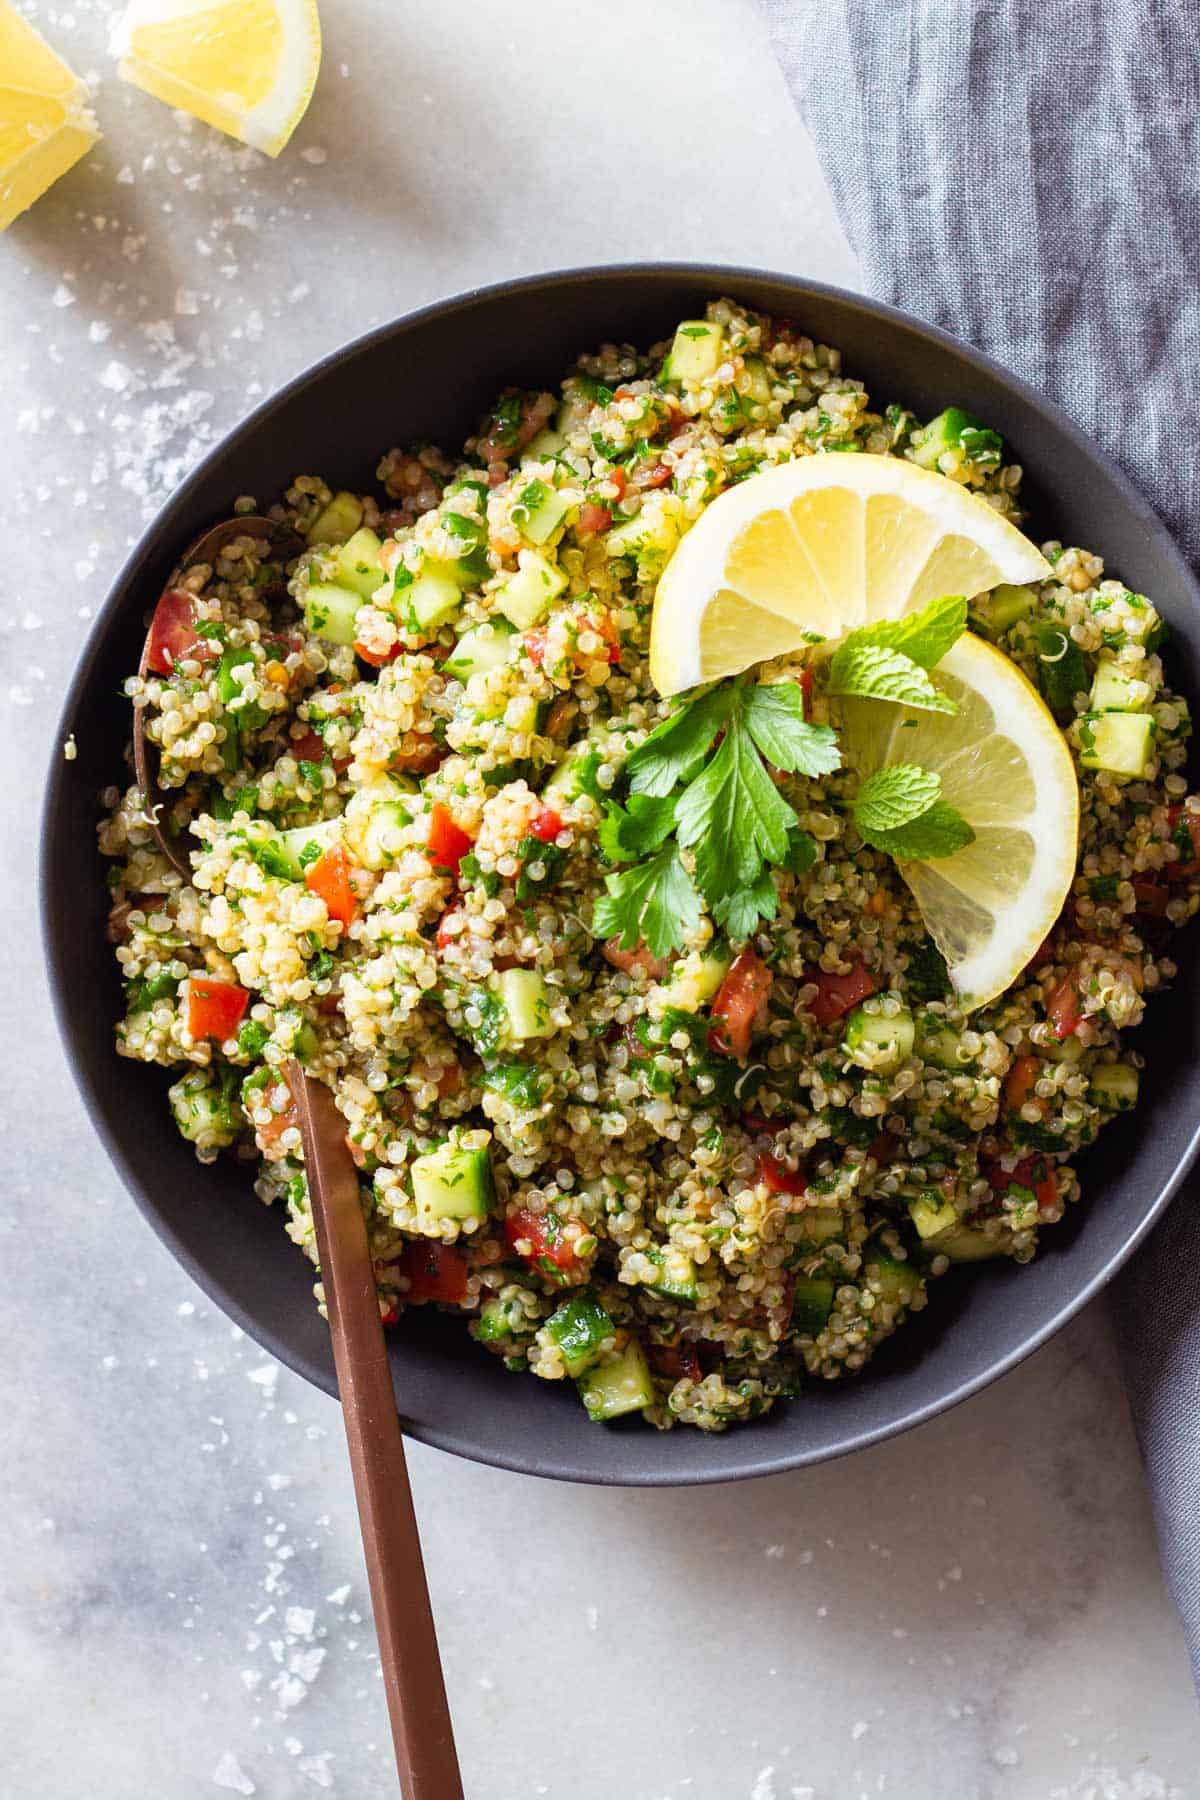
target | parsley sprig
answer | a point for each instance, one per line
(702, 777)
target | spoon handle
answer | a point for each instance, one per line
(426, 1758)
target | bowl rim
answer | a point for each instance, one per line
(442, 1435)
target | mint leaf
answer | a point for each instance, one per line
(739, 913)
(893, 796)
(654, 903)
(733, 816)
(939, 831)
(874, 672)
(774, 715)
(925, 636)
(627, 833)
(675, 749)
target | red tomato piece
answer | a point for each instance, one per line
(173, 633)
(547, 825)
(1065, 1008)
(550, 1240)
(1152, 899)
(884, 1149)
(214, 1008)
(448, 842)
(1032, 1172)
(641, 961)
(1186, 866)
(376, 661)
(434, 1272)
(740, 998)
(837, 994)
(779, 1178)
(309, 748)
(445, 936)
(330, 879)
(619, 480)
(592, 519)
(535, 647)
(677, 1362)
(657, 478)
(1020, 1080)
(806, 688)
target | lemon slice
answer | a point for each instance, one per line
(46, 124)
(1005, 765)
(810, 549)
(246, 66)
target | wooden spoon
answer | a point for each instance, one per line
(206, 548)
(422, 1733)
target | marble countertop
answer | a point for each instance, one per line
(973, 1612)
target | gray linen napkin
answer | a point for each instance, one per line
(1026, 174)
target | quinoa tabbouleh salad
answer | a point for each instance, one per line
(703, 965)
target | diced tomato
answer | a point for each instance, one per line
(535, 646)
(884, 1148)
(388, 1316)
(1153, 898)
(448, 842)
(1064, 1007)
(214, 1008)
(656, 478)
(373, 657)
(329, 1004)
(779, 1178)
(434, 1272)
(740, 998)
(445, 937)
(309, 748)
(1020, 1080)
(173, 633)
(606, 628)
(676, 1362)
(806, 688)
(330, 878)
(593, 519)
(641, 961)
(619, 480)
(837, 994)
(1032, 1172)
(550, 1239)
(546, 825)
(280, 1122)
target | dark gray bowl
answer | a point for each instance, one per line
(430, 376)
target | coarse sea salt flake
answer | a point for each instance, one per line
(62, 296)
(230, 1774)
(299, 1620)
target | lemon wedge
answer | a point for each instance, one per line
(1005, 765)
(811, 549)
(46, 124)
(246, 66)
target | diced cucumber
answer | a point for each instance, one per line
(1068, 1049)
(651, 534)
(822, 1224)
(540, 512)
(337, 521)
(1121, 743)
(304, 845)
(1061, 670)
(483, 648)
(431, 597)
(1114, 692)
(544, 447)
(521, 714)
(966, 1244)
(330, 611)
(696, 352)
(452, 1183)
(526, 1001)
(940, 1044)
(610, 1389)
(695, 980)
(945, 432)
(758, 381)
(575, 775)
(812, 1303)
(676, 1276)
(1006, 604)
(204, 1109)
(357, 563)
(1114, 1086)
(932, 1212)
(500, 1317)
(526, 595)
(579, 1328)
(877, 1041)
(889, 1277)
(377, 841)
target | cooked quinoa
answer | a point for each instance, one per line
(387, 760)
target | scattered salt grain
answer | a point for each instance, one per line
(339, 1595)
(185, 1309)
(229, 1774)
(314, 154)
(62, 296)
(299, 1620)
(266, 1376)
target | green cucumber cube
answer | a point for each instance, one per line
(822, 1224)
(357, 563)
(623, 1385)
(378, 840)
(889, 1277)
(337, 521)
(943, 433)
(812, 1303)
(676, 1274)
(305, 845)
(877, 1041)
(1121, 743)
(452, 1183)
(526, 1001)
(940, 1044)
(651, 535)
(966, 1244)
(758, 381)
(575, 775)
(526, 595)
(1114, 1086)
(544, 447)
(500, 1318)
(580, 1328)
(1006, 604)
(540, 513)
(932, 1212)
(1114, 692)
(431, 597)
(695, 980)
(204, 1109)
(330, 611)
(478, 651)
(696, 352)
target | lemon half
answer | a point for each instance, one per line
(246, 66)
(1005, 765)
(812, 549)
(46, 124)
